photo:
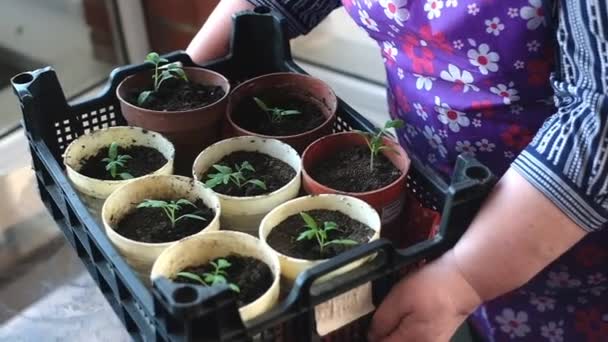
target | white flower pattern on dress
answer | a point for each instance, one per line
(465, 147)
(395, 10)
(390, 50)
(595, 279)
(451, 117)
(367, 21)
(516, 109)
(494, 26)
(533, 46)
(507, 92)
(425, 82)
(514, 324)
(509, 155)
(433, 8)
(411, 130)
(432, 158)
(442, 133)
(485, 146)
(473, 9)
(553, 332)
(458, 44)
(484, 59)
(534, 14)
(477, 123)
(451, 3)
(542, 303)
(462, 79)
(562, 280)
(513, 12)
(519, 64)
(368, 3)
(400, 73)
(434, 140)
(420, 111)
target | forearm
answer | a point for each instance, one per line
(516, 234)
(213, 39)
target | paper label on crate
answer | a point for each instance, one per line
(344, 309)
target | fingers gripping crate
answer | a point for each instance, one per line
(171, 312)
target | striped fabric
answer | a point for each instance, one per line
(568, 158)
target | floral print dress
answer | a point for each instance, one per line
(472, 77)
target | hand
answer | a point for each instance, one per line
(428, 305)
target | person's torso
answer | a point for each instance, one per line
(472, 76)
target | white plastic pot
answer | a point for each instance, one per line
(350, 206)
(245, 213)
(349, 306)
(200, 249)
(94, 191)
(141, 255)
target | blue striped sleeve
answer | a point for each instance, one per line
(568, 158)
(301, 15)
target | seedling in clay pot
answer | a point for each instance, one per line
(251, 176)
(100, 162)
(195, 98)
(158, 221)
(240, 177)
(147, 215)
(247, 276)
(225, 258)
(369, 166)
(293, 108)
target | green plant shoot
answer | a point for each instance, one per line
(275, 114)
(314, 231)
(161, 74)
(115, 162)
(171, 209)
(217, 277)
(237, 176)
(375, 142)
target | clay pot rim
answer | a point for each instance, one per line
(110, 229)
(316, 262)
(308, 178)
(120, 181)
(225, 82)
(328, 121)
(285, 187)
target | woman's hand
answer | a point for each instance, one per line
(428, 305)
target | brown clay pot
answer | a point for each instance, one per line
(191, 131)
(297, 85)
(388, 201)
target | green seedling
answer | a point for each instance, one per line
(275, 114)
(115, 163)
(375, 141)
(171, 208)
(314, 231)
(237, 176)
(161, 74)
(217, 277)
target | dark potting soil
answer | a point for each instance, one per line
(252, 276)
(283, 238)
(180, 95)
(250, 116)
(348, 170)
(273, 172)
(144, 160)
(152, 224)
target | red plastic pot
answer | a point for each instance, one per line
(302, 86)
(388, 201)
(191, 131)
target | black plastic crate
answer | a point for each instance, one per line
(172, 312)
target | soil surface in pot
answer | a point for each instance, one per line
(283, 238)
(144, 160)
(252, 276)
(272, 171)
(248, 115)
(152, 224)
(348, 170)
(176, 96)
